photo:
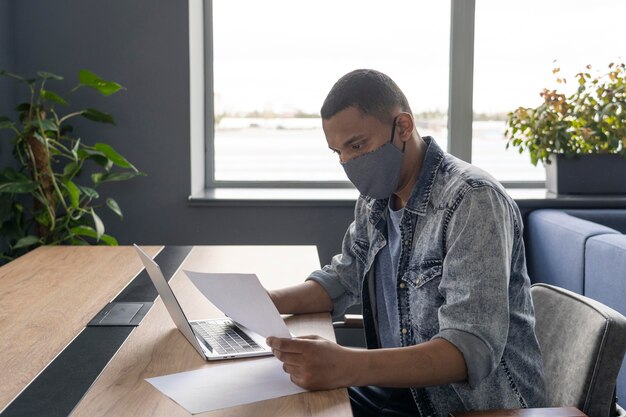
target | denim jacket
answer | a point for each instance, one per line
(461, 276)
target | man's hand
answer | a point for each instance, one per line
(315, 363)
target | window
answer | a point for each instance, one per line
(517, 44)
(274, 62)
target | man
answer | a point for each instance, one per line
(436, 257)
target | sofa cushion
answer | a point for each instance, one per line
(605, 281)
(556, 247)
(613, 218)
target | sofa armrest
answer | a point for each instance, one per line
(556, 247)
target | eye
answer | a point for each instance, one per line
(357, 145)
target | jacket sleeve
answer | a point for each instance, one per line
(340, 278)
(479, 241)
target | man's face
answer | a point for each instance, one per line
(350, 133)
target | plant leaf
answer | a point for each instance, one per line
(6, 123)
(112, 154)
(89, 79)
(18, 185)
(17, 77)
(89, 192)
(96, 177)
(70, 169)
(97, 116)
(45, 124)
(84, 231)
(76, 146)
(6, 205)
(10, 174)
(66, 129)
(74, 193)
(79, 242)
(22, 107)
(109, 240)
(98, 223)
(101, 160)
(97, 156)
(49, 95)
(120, 176)
(114, 207)
(48, 75)
(26, 241)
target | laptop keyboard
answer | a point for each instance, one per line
(225, 338)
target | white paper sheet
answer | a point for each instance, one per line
(228, 385)
(242, 298)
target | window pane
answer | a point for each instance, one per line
(517, 44)
(275, 61)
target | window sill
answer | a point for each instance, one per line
(345, 197)
(274, 197)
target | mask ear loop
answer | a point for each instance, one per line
(393, 131)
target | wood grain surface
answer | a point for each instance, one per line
(157, 348)
(47, 297)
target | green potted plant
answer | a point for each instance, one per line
(581, 138)
(45, 197)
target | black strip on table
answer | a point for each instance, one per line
(141, 288)
(57, 390)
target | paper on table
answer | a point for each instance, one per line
(242, 298)
(227, 385)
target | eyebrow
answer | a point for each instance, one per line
(351, 140)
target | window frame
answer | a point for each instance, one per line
(460, 103)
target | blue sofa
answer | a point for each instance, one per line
(583, 251)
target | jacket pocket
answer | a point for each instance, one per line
(420, 274)
(422, 283)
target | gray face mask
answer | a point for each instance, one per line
(376, 174)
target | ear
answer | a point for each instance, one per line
(404, 126)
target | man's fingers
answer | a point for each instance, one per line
(285, 345)
(290, 369)
(294, 379)
(310, 337)
(288, 358)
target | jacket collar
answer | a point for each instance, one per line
(418, 201)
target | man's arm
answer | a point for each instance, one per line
(308, 297)
(315, 363)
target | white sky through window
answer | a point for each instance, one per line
(288, 54)
(274, 61)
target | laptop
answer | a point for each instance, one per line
(214, 339)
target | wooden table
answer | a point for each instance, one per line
(51, 293)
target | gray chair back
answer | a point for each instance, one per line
(583, 343)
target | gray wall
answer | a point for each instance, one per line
(143, 45)
(7, 89)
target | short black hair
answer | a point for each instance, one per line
(370, 91)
